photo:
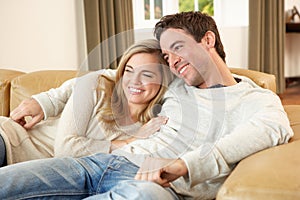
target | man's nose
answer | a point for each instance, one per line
(173, 60)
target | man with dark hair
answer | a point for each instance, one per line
(215, 120)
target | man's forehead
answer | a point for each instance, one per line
(171, 36)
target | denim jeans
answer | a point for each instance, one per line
(101, 176)
(2, 152)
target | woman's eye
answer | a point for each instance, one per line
(148, 75)
(128, 70)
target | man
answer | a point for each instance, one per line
(191, 43)
(215, 120)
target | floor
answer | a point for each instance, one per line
(292, 93)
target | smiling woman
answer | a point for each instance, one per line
(99, 112)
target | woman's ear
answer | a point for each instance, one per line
(209, 39)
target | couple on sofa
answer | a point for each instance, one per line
(209, 120)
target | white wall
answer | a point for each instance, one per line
(232, 18)
(235, 41)
(41, 34)
(292, 46)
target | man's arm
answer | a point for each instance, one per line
(266, 128)
(161, 170)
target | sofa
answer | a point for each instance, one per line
(269, 174)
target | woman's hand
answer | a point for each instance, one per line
(145, 131)
(28, 107)
(150, 127)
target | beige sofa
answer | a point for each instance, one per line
(270, 174)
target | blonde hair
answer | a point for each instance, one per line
(115, 103)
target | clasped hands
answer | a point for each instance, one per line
(161, 170)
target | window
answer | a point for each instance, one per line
(153, 9)
(148, 12)
(206, 6)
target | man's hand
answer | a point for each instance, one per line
(28, 107)
(161, 171)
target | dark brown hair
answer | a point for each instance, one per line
(194, 23)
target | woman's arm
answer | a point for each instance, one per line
(79, 131)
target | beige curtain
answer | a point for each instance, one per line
(109, 31)
(266, 38)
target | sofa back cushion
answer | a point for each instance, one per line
(23, 87)
(262, 79)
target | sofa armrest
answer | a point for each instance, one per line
(269, 174)
(262, 79)
(23, 87)
(293, 113)
(6, 76)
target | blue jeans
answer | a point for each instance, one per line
(101, 176)
(2, 152)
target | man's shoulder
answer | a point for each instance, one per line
(176, 87)
(177, 83)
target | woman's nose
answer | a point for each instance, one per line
(136, 79)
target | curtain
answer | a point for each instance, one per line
(266, 38)
(109, 31)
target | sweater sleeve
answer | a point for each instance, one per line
(72, 138)
(54, 100)
(266, 128)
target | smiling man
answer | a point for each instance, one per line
(244, 118)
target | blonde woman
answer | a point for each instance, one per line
(100, 111)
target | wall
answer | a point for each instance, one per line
(45, 34)
(232, 18)
(292, 46)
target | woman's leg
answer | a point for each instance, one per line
(2, 152)
(65, 178)
(136, 190)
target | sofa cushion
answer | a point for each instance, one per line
(269, 174)
(5, 77)
(293, 112)
(23, 87)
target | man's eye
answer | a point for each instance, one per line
(176, 48)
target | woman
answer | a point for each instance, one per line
(103, 109)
